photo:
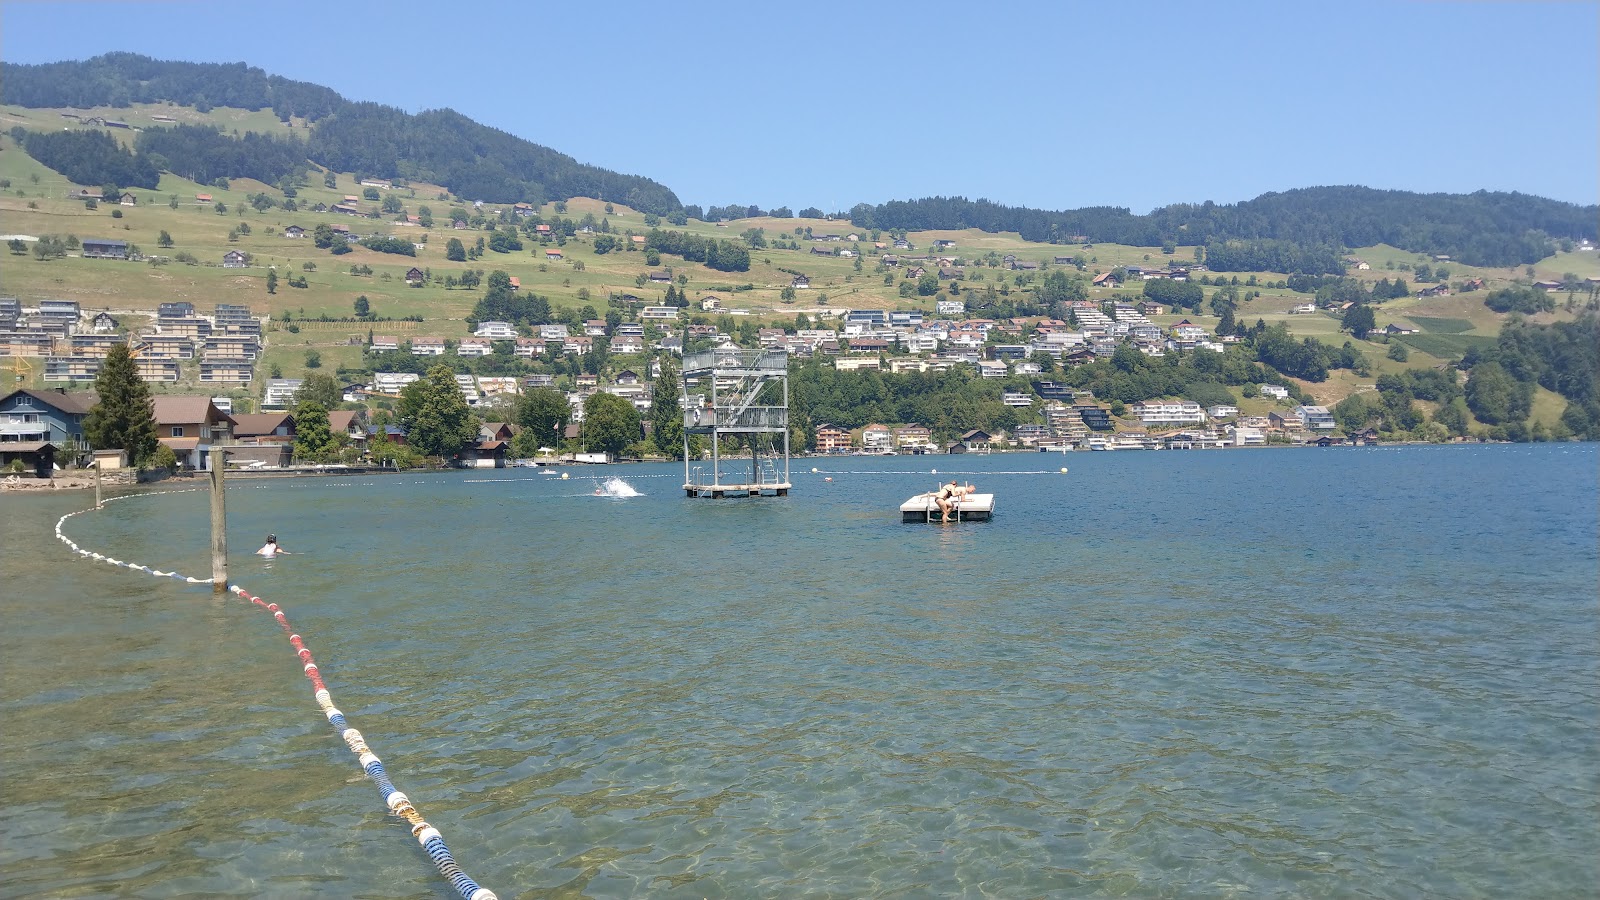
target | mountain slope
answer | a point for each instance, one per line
(474, 161)
(438, 146)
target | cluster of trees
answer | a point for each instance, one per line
(501, 304)
(1393, 409)
(949, 402)
(1520, 299)
(610, 423)
(387, 244)
(436, 417)
(1308, 359)
(1058, 287)
(204, 154)
(1337, 288)
(1271, 255)
(731, 212)
(1130, 376)
(1563, 357)
(505, 240)
(1483, 228)
(50, 246)
(1177, 294)
(724, 256)
(1500, 388)
(88, 157)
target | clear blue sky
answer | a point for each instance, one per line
(1045, 104)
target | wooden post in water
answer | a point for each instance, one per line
(97, 503)
(219, 526)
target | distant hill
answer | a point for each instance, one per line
(1482, 229)
(1301, 231)
(438, 146)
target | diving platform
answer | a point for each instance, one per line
(971, 508)
(736, 400)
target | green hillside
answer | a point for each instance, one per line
(251, 216)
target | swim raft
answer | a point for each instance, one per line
(971, 508)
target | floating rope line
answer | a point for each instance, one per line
(926, 472)
(397, 802)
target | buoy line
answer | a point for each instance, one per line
(397, 802)
(921, 472)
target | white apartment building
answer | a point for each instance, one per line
(1167, 413)
(496, 331)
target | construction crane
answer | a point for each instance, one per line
(20, 368)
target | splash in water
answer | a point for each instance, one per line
(616, 488)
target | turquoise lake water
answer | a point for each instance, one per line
(1325, 673)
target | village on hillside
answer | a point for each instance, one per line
(235, 292)
(222, 347)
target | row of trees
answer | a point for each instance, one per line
(1483, 228)
(122, 79)
(1338, 289)
(1266, 255)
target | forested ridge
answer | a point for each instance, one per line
(438, 146)
(1484, 228)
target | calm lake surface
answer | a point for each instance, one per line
(1344, 672)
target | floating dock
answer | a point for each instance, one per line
(971, 508)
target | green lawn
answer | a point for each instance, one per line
(1442, 325)
(1547, 407)
(1445, 346)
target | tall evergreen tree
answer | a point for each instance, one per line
(125, 416)
(666, 412)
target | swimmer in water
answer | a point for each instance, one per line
(271, 549)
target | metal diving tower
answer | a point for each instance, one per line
(738, 396)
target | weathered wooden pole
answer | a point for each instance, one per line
(97, 503)
(219, 526)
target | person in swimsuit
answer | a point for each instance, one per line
(271, 549)
(946, 498)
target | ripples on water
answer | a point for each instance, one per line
(1202, 674)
